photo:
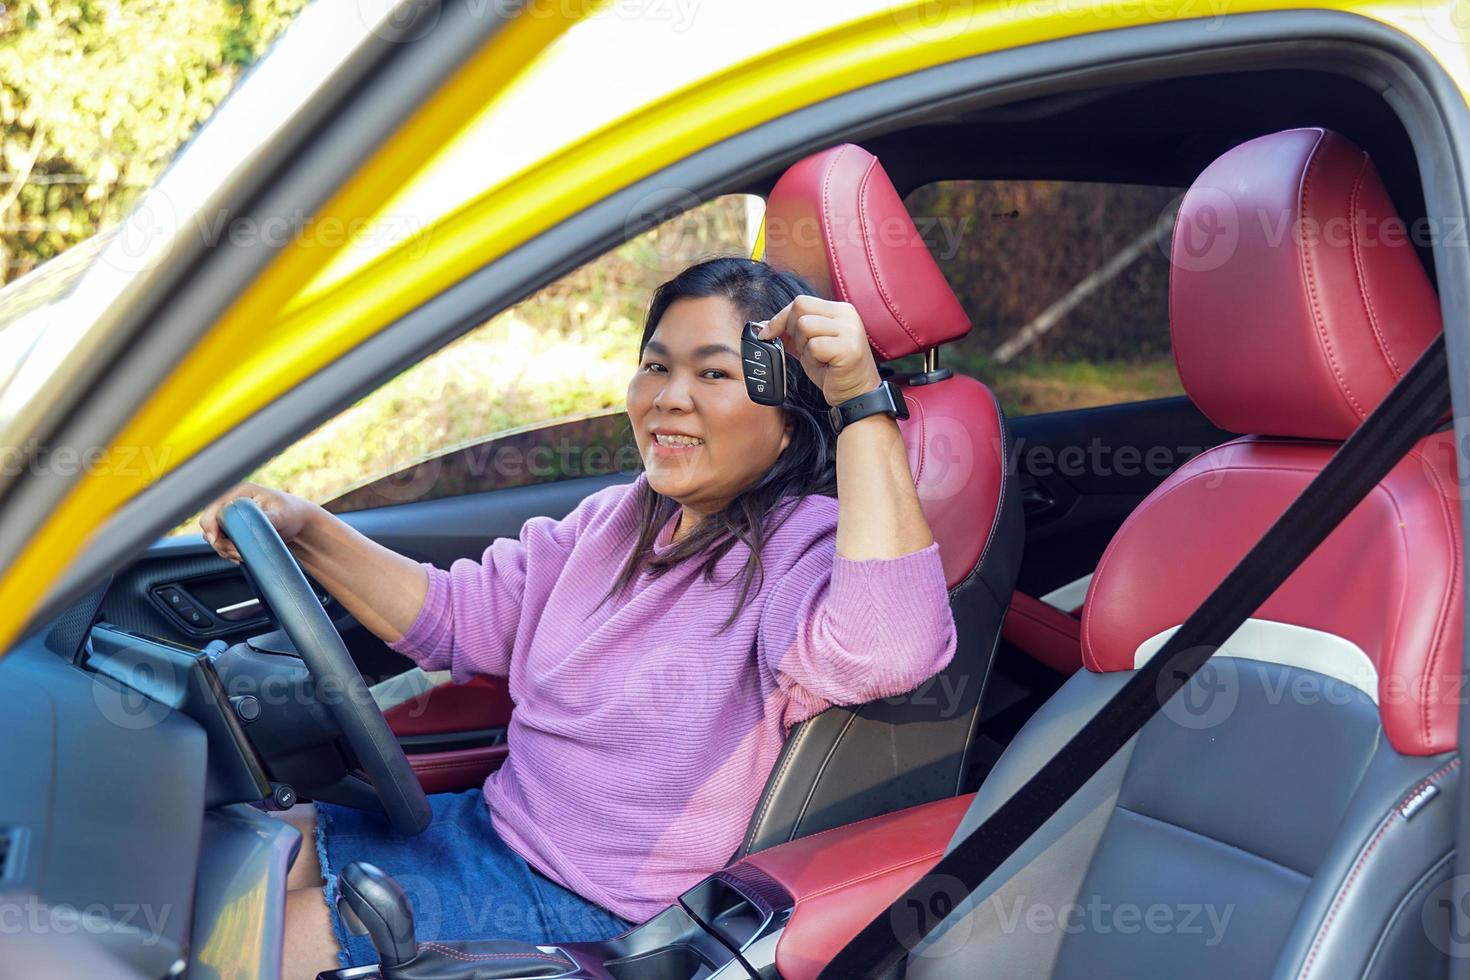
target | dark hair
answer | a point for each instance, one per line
(807, 466)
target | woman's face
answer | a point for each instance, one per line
(702, 439)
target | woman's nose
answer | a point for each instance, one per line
(673, 394)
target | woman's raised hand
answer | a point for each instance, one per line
(830, 341)
(287, 513)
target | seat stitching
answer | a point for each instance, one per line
(873, 262)
(1439, 626)
(766, 803)
(1310, 275)
(1005, 462)
(934, 855)
(1362, 860)
(919, 420)
(1358, 270)
(806, 803)
(471, 957)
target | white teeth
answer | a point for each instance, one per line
(669, 440)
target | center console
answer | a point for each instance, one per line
(782, 912)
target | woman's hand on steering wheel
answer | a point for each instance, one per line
(288, 514)
(286, 594)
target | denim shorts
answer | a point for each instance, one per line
(463, 880)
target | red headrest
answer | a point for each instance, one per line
(836, 219)
(1296, 297)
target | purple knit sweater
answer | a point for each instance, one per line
(641, 737)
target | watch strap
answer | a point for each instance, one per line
(885, 399)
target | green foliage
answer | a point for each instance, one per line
(96, 96)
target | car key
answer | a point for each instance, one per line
(765, 366)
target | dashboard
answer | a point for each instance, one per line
(125, 830)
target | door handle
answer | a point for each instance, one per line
(1036, 500)
(237, 611)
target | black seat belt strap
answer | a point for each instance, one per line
(1414, 408)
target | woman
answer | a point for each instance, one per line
(659, 641)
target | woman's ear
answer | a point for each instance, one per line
(786, 428)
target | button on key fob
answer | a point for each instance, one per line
(765, 367)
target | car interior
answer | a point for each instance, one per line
(1297, 832)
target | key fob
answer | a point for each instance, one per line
(765, 367)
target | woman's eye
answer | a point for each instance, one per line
(653, 366)
(716, 372)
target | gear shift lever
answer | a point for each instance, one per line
(375, 900)
(381, 906)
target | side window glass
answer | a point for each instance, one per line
(533, 395)
(1066, 284)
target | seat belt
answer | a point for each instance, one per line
(1414, 408)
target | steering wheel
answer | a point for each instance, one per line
(283, 588)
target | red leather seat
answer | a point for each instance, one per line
(1301, 789)
(835, 218)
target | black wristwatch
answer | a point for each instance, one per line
(885, 398)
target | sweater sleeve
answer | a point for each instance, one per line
(471, 613)
(837, 631)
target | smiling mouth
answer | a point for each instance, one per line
(664, 439)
